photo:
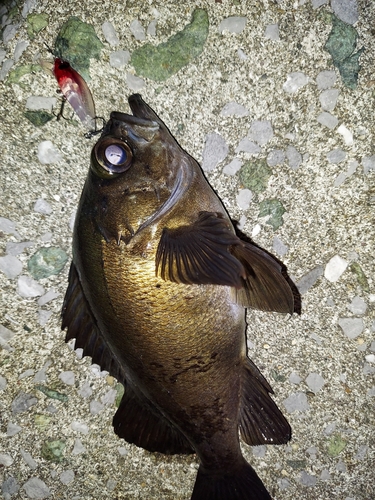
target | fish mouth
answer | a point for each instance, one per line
(142, 113)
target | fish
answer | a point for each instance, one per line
(159, 286)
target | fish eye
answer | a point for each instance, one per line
(113, 155)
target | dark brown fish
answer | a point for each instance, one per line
(157, 290)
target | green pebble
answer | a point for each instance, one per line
(53, 450)
(120, 392)
(16, 74)
(275, 209)
(162, 61)
(77, 43)
(47, 261)
(361, 277)
(38, 118)
(297, 464)
(42, 421)
(279, 377)
(336, 445)
(36, 23)
(50, 393)
(255, 175)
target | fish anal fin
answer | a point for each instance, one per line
(140, 423)
(261, 421)
(199, 253)
(265, 286)
(82, 326)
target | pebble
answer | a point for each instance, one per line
(259, 451)
(10, 266)
(67, 476)
(9, 227)
(276, 157)
(5, 459)
(22, 402)
(272, 32)
(241, 54)
(283, 483)
(341, 466)
(326, 79)
(234, 109)
(85, 391)
(316, 338)
(371, 392)
(48, 297)
(327, 120)
(6, 67)
(36, 488)
(29, 459)
(10, 32)
(315, 382)
(368, 163)
(215, 151)
(294, 157)
(346, 134)
(29, 288)
(233, 167)
(26, 373)
(79, 427)
(137, 30)
(336, 156)
(119, 58)
(48, 153)
(261, 132)
(47, 261)
(37, 102)
(122, 451)
(151, 28)
(330, 429)
(346, 10)
(111, 484)
(307, 479)
(309, 279)
(14, 248)
(358, 306)
(352, 327)
(328, 99)
(295, 81)
(247, 146)
(9, 487)
(95, 407)
(362, 452)
(5, 335)
(20, 49)
(233, 24)
(353, 164)
(244, 198)
(13, 429)
(42, 206)
(370, 358)
(110, 34)
(279, 246)
(67, 377)
(78, 447)
(294, 378)
(296, 402)
(109, 397)
(325, 475)
(134, 82)
(256, 230)
(44, 316)
(368, 369)
(2, 55)
(335, 268)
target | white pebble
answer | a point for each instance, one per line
(296, 402)
(13, 429)
(151, 28)
(233, 167)
(233, 24)
(42, 207)
(43, 316)
(346, 10)
(109, 397)
(78, 447)
(328, 99)
(234, 109)
(6, 67)
(307, 479)
(335, 268)
(336, 156)
(244, 198)
(352, 327)
(370, 358)
(328, 120)
(326, 79)
(247, 146)
(294, 378)
(358, 306)
(37, 102)
(215, 151)
(8, 226)
(85, 391)
(5, 459)
(28, 288)
(279, 246)
(14, 248)
(110, 34)
(346, 134)
(10, 266)
(36, 488)
(122, 451)
(48, 153)
(295, 81)
(275, 157)
(368, 163)
(20, 49)
(67, 476)
(29, 459)
(79, 427)
(294, 157)
(47, 297)
(261, 132)
(315, 382)
(134, 82)
(119, 58)
(67, 377)
(95, 407)
(272, 32)
(241, 54)
(256, 230)
(137, 30)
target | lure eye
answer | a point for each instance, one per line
(112, 155)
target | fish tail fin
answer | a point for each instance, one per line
(240, 484)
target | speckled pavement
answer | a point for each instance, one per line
(321, 170)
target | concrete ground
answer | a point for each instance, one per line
(321, 364)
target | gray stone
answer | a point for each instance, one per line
(328, 99)
(328, 120)
(275, 157)
(29, 459)
(352, 327)
(368, 163)
(42, 206)
(247, 146)
(318, 3)
(137, 30)
(10, 266)
(336, 156)
(272, 32)
(346, 10)
(110, 34)
(296, 402)
(233, 24)
(326, 79)
(215, 151)
(279, 246)
(14, 248)
(28, 288)
(309, 279)
(307, 479)
(37, 102)
(67, 377)
(119, 58)
(244, 198)
(10, 486)
(315, 382)
(67, 476)
(358, 306)
(3, 383)
(234, 109)
(261, 132)
(134, 82)
(295, 81)
(36, 488)
(233, 167)
(294, 378)
(22, 402)
(294, 157)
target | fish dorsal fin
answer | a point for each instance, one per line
(139, 422)
(208, 252)
(260, 420)
(81, 323)
(198, 254)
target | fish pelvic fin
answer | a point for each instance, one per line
(139, 422)
(240, 484)
(260, 419)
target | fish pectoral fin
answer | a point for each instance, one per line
(261, 421)
(199, 253)
(139, 422)
(81, 323)
(266, 286)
